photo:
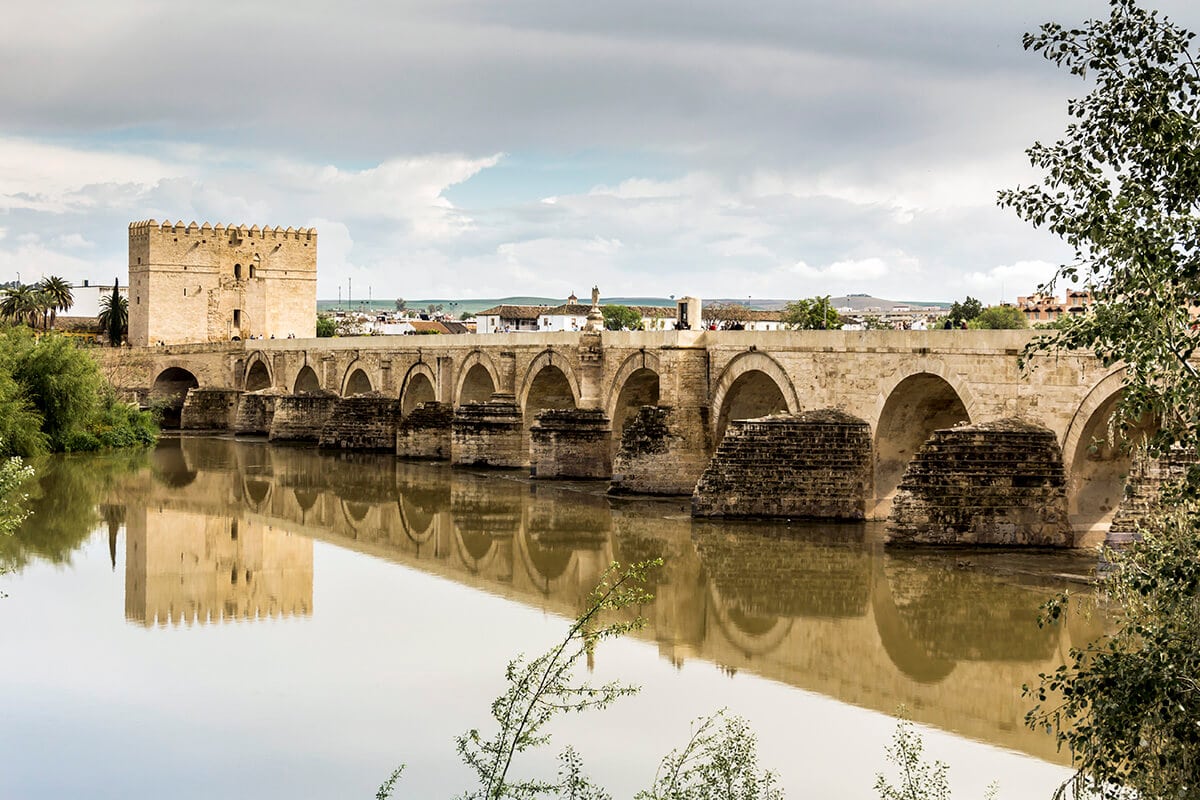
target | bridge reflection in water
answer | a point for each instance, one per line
(219, 530)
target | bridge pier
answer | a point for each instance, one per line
(425, 432)
(300, 417)
(571, 443)
(1143, 491)
(361, 422)
(209, 409)
(664, 451)
(813, 465)
(255, 411)
(489, 434)
(997, 483)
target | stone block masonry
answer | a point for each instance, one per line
(1148, 477)
(255, 412)
(300, 417)
(489, 434)
(362, 422)
(571, 443)
(997, 483)
(425, 432)
(209, 409)
(663, 452)
(812, 465)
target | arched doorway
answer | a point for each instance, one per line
(169, 392)
(258, 377)
(919, 405)
(306, 381)
(641, 388)
(419, 389)
(752, 394)
(550, 388)
(1100, 465)
(357, 383)
(477, 385)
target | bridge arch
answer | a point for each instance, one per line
(170, 389)
(549, 383)
(306, 381)
(1096, 466)
(478, 379)
(420, 386)
(911, 408)
(258, 374)
(636, 384)
(752, 385)
(357, 381)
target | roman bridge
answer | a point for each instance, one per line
(663, 412)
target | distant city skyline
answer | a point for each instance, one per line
(782, 150)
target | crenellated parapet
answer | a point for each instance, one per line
(180, 228)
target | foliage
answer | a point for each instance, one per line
(326, 326)
(919, 780)
(23, 304)
(999, 318)
(401, 304)
(719, 762)
(965, 311)
(618, 317)
(114, 316)
(811, 314)
(727, 316)
(1126, 705)
(1121, 188)
(14, 474)
(545, 686)
(57, 294)
(52, 396)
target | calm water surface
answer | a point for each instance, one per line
(229, 619)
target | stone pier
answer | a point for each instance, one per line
(255, 412)
(663, 452)
(425, 432)
(571, 443)
(997, 483)
(209, 409)
(362, 422)
(813, 465)
(1143, 491)
(489, 434)
(300, 417)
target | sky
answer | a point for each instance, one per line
(474, 148)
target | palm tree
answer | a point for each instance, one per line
(21, 303)
(58, 293)
(114, 315)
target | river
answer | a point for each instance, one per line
(223, 618)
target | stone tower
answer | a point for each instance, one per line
(190, 283)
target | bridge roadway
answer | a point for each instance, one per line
(903, 384)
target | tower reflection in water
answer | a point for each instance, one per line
(221, 530)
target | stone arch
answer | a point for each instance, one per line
(905, 652)
(636, 384)
(477, 380)
(258, 374)
(306, 381)
(752, 385)
(170, 389)
(420, 386)
(357, 380)
(752, 634)
(549, 383)
(416, 519)
(256, 492)
(476, 549)
(544, 563)
(910, 410)
(1096, 467)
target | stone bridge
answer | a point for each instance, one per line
(665, 412)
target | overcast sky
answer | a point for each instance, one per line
(474, 148)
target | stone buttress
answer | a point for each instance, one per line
(425, 432)
(571, 443)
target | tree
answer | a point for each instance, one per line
(965, 311)
(326, 326)
(1122, 189)
(57, 293)
(401, 304)
(22, 304)
(812, 314)
(999, 318)
(727, 316)
(618, 317)
(114, 316)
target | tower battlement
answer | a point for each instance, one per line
(146, 227)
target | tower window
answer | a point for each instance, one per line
(237, 318)
(237, 272)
